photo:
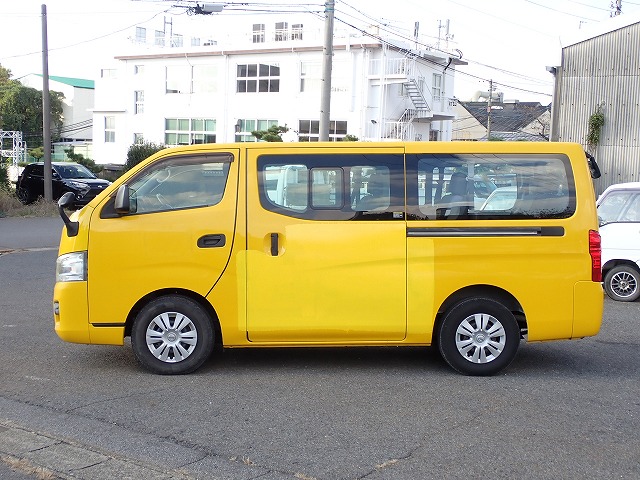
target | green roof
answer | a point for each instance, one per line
(74, 82)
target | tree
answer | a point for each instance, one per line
(272, 134)
(141, 151)
(21, 109)
(79, 158)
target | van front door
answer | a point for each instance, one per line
(177, 236)
(326, 259)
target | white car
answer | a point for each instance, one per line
(619, 218)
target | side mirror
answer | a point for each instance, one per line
(122, 203)
(66, 201)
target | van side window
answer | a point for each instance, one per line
(333, 187)
(180, 182)
(496, 186)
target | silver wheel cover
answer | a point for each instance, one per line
(480, 338)
(171, 337)
(623, 284)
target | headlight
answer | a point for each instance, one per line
(71, 267)
(83, 187)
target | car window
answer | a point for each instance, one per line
(612, 207)
(73, 171)
(461, 186)
(180, 182)
(333, 187)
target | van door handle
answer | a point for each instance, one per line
(212, 241)
(274, 245)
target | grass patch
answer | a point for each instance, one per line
(10, 206)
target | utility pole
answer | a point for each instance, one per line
(327, 60)
(489, 110)
(46, 110)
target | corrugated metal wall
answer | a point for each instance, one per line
(604, 70)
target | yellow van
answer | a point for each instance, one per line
(336, 244)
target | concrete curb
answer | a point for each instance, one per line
(31, 452)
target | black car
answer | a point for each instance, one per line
(65, 177)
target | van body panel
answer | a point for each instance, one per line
(328, 281)
(72, 322)
(587, 310)
(160, 250)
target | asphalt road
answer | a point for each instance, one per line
(567, 409)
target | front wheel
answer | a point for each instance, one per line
(622, 283)
(172, 335)
(479, 336)
(24, 196)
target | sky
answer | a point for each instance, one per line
(509, 42)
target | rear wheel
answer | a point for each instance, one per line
(172, 335)
(479, 336)
(622, 283)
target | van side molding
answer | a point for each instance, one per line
(485, 232)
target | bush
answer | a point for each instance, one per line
(10, 206)
(141, 151)
(79, 158)
(4, 175)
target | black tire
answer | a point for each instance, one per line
(622, 283)
(178, 330)
(478, 336)
(24, 195)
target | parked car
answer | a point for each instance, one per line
(65, 177)
(619, 218)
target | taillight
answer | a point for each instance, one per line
(596, 256)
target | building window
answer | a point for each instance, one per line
(177, 40)
(138, 69)
(204, 79)
(178, 79)
(108, 73)
(309, 130)
(141, 35)
(258, 78)
(437, 86)
(158, 38)
(244, 128)
(195, 42)
(258, 33)
(109, 129)
(434, 135)
(296, 31)
(138, 139)
(139, 102)
(310, 76)
(282, 31)
(189, 131)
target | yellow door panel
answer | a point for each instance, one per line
(328, 280)
(180, 248)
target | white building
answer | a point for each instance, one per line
(77, 107)
(271, 75)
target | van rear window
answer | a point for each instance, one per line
(495, 186)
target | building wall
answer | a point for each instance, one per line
(605, 71)
(363, 100)
(76, 107)
(466, 126)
